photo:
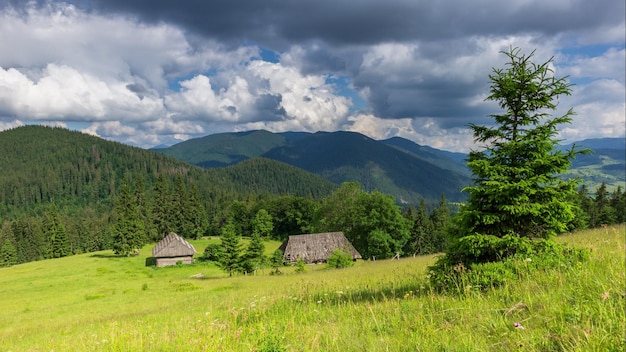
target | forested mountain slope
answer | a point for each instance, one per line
(223, 149)
(396, 166)
(42, 165)
(349, 156)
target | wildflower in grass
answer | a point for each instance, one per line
(518, 325)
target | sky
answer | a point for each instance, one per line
(154, 72)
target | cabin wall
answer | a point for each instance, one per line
(173, 260)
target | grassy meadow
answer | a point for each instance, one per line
(99, 302)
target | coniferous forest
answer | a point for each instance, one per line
(64, 192)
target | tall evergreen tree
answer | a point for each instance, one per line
(230, 256)
(618, 203)
(8, 252)
(29, 240)
(128, 230)
(57, 236)
(139, 194)
(254, 256)
(516, 188)
(440, 218)
(421, 240)
(606, 214)
(161, 209)
(177, 207)
(196, 222)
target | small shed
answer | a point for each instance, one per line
(173, 249)
(316, 247)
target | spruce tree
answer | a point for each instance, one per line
(516, 188)
(128, 231)
(254, 255)
(421, 241)
(59, 243)
(160, 209)
(8, 252)
(230, 256)
(196, 222)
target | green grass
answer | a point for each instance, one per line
(98, 302)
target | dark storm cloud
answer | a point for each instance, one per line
(268, 106)
(273, 23)
(336, 34)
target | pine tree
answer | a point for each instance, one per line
(195, 223)
(421, 241)
(277, 260)
(254, 256)
(516, 188)
(606, 213)
(440, 219)
(8, 252)
(59, 243)
(142, 208)
(128, 230)
(230, 256)
(160, 209)
(177, 207)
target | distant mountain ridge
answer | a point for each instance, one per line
(606, 163)
(395, 166)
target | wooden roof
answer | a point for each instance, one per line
(173, 245)
(316, 247)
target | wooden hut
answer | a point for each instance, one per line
(173, 249)
(317, 247)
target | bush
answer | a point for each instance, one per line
(339, 259)
(276, 261)
(212, 252)
(481, 262)
(300, 265)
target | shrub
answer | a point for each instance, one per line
(300, 265)
(481, 262)
(339, 259)
(212, 252)
(276, 261)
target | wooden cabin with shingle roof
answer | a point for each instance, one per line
(173, 249)
(316, 247)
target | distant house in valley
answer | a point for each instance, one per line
(173, 249)
(317, 247)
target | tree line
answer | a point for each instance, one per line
(372, 221)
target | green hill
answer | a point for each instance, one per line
(606, 163)
(41, 165)
(100, 302)
(224, 149)
(395, 166)
(349, 156)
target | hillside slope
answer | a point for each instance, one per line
(606, 163)
(224, 149)
(396, 166)
(349, 156)
(41, 165)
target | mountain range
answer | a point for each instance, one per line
(41, 164)
(396, 166)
